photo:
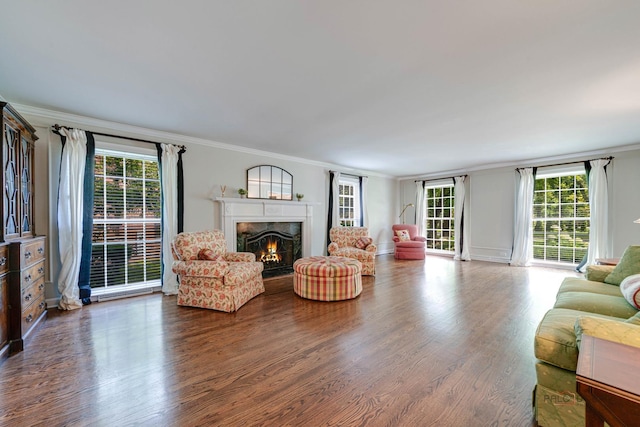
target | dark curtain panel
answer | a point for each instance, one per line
(180, 194)
(587, 170)
(361, 202)
(330, 209)
(84, 279)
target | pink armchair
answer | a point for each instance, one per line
(354, 242)
(408, 249)
(210, 277)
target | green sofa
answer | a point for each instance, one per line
(587, 306)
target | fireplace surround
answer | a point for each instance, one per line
(235, 211)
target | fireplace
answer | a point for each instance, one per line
(276, 244)
(290, 224)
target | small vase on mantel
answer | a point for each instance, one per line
(299, 196)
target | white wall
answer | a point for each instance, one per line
(206, 167)
(492, 202)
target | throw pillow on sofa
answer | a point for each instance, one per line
(630, 288)
(629, 264)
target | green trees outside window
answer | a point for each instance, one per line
(561, 218)
(439, 225)
(126, 240)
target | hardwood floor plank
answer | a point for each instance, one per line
(435, 342)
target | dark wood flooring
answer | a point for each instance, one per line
(433, 343)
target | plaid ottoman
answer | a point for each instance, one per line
(327, 278)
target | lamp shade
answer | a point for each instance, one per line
(637, 221)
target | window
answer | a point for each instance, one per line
(349, 202)
(126, 241)
(439, 227)
(561, 216)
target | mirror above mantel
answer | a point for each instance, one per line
(269, 182)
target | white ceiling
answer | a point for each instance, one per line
(401, 88)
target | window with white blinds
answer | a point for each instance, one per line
(126, 241)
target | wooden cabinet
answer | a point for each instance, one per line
(18, 138)
(22, 253)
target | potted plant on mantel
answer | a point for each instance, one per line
(299, 196)
(242, 192)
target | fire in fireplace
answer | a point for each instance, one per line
(276, 244)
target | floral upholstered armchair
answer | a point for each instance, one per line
(210, 277)
(354, 242)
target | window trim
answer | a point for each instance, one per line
(134, 153)
(430, 186)
(559, 171)
(357, 210)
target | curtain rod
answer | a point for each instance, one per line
(439, 179)
(57, 127)
(569, 163)
(350, 174)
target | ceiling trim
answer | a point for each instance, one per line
(45, 117)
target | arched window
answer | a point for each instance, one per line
(269, 182)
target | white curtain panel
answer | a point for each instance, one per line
(169, 215)
(420, 213)
(335, 219)
(599, 207)
(70, 200)
(461, 244)
(523, 231)
(365, 211)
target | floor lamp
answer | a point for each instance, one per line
(404, 209)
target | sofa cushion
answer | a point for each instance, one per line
(635, 319)
(630, 288)
(608, 329)
(598, 273)
(629, 264)
(608, 305)
(555, 340)
(576, 284)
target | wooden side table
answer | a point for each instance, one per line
(608, 379)
(607, 261)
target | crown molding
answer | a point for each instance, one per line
(538, 162)
(44, 117)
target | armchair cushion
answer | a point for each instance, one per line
(403, 235)
(197, 268)
(363, 242)
(207, 255)
(597, 273)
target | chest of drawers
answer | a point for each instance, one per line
(27, 306)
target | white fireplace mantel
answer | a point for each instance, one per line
(234, 210)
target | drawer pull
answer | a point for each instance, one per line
(3, 261)
(42, 305)
(29, 318)
(28, 297)
(40, 250)
(27, 278)
(41, 270)
(27, 255)
(41, 286)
